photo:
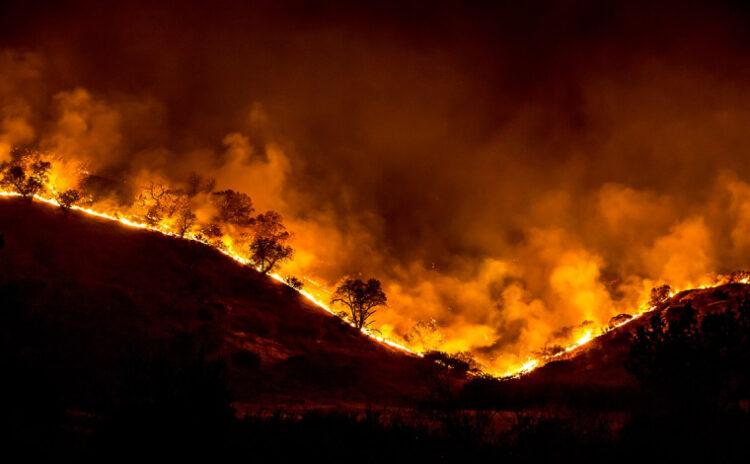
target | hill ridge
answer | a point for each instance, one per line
(92, 277)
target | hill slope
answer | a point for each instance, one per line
(97, 298)
(595, 374)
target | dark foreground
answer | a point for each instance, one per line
(118, 345)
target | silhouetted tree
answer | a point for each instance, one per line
(270, 225)
(211, 231)
(162, 202)
(461, 362)
(174, 202)
(234, 208)
(67, 199)
(185, 221)
(27, 181)
(153, 216)
(361, 298)
(659, 294)
(266, 253)
(268, 246)
(294, 282)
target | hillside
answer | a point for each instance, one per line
(601, 361)
(91, 299)
(115, 342)
(595, 375)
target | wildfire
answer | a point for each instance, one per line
(317, 298)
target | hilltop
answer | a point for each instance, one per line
(97, 297)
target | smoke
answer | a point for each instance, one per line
(20, 74)
(514, 175)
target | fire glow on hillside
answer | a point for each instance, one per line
(164, 229)
(527, 366)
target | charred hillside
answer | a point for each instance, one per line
(87, 302)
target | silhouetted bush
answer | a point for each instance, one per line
(68, 199)
(659, 295)
(460, 362)
(294, 282)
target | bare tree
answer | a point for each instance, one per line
(162, 202)
(361, 298)
(153, 193)
(151, 198)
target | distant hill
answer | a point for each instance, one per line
(90, 299)
(601, 362)
(595, 375)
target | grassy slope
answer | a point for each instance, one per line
(108, 292)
